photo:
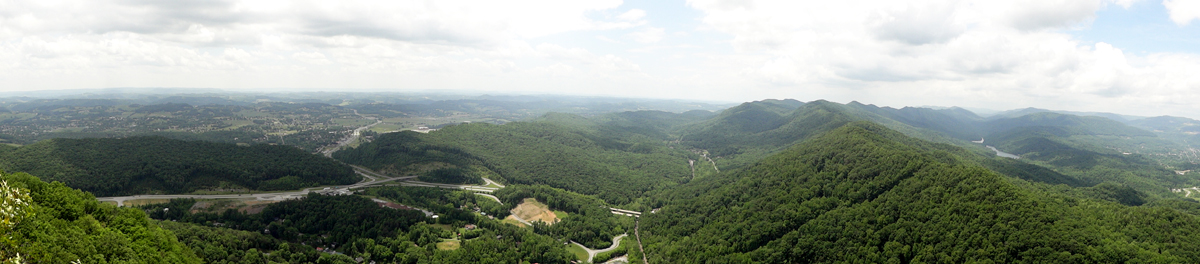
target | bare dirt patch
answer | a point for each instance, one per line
(532, 210)
(217, 206)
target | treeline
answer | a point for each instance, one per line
(588, 220)
(145, 165)
(865, 193)
(315, 220)
(357, 227)
(452, 207)
(617, 170)
(52, 223)
(222, 245)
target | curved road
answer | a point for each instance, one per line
(592, 252)
(276, 196)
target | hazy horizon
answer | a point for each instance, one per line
(1132, 57)
(99, 93)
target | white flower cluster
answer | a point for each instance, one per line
(14, 206)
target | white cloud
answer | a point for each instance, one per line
(1183, 11)
(1042, 14)
(648, 35)
(632, 15)
(1000, 54)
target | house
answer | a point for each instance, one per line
(469, 227)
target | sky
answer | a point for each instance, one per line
(1138, 57)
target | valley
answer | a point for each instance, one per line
(770, 181)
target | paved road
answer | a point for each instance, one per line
(275, 196)
(592, 252)
(490, 196)
(489, 181)
(476, 188)
(519, 219)
(353, 136)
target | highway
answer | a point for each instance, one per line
(274, 196)
(353, 136)
(592, 252)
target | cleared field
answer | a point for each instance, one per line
(356, 122)
(578, 251)
(109, 202)
(235, 124)
(141, 202)
(532, 210)
(455, 244)
(248, 206)
(388, 127)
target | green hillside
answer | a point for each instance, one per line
(146, 165)
(68, 225)
(580, 158)
(1072, 124)
(865, 193)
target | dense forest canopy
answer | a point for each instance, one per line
(865, 193)
(145, 165)
(357, 227)
(68, 225)
(617, 169)
(772, 181)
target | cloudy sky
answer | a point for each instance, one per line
(1126, 56)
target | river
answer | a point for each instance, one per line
(1003, 154)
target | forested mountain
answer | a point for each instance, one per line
(1168, 124)
(62, 225)
(582, 158)
(1074, 125)
(954, 122)
(863, 192)
(144, 165)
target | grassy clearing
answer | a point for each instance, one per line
(578, 251)
(109, 202)
(513, 221)
(560, 214)
(355, 122)
(445, 227)
(235, 124)
(387, 127)
(447, 244)
(141, 202)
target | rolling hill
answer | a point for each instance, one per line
(148, 165)
(862, 192)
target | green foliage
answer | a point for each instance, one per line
(223, 245)
(864, 193)
(314, 220)
(141, 165)
(588, 221)
(451, 175)
(582, 161)
(69, 225)
(357, 227)
(621, 250)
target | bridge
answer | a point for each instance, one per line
(625, 212)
